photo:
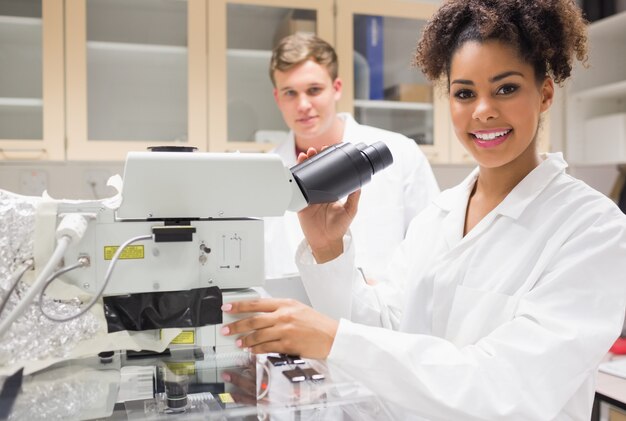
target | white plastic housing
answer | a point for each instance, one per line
(160, 185)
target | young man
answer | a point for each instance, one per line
(303, 70)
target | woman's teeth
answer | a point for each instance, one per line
(490, 136)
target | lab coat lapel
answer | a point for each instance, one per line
(454, 306)
(453, 203)
(522, 195)
(449, 274)
(474, 313)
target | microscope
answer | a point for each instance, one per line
(188, 234)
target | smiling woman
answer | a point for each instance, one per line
(495, 103)
(500, 71)
(508, 289)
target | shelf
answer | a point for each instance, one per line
(609, 29)
(393, 105)
(139, 48)
(595, 92)
(21, 102)
(613, 90)
(24, 33)
(18, 20)
(242, 53)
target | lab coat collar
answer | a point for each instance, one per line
(287, 150)
(519, 198)
(532, 185)
(350, 128)
(448, 199)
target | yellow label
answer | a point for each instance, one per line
(186, 337)
(182, 368)
(226, 398)
(130, 252)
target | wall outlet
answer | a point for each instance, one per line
(96, 184)
(33, 182)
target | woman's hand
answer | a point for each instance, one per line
(283, 325)
(324, 225)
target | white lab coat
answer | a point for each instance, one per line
(387, 205)
(506, 323)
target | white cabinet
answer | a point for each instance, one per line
(597, 97)
(375, 47)
(31, 80)
(93, 79)
(136, 75)
(242, 113)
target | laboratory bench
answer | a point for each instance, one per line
(197, 383)
(191, 383)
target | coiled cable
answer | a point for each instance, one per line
(62, 244)
(97, 296)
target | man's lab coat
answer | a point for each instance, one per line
(387, 205)
(506, 323)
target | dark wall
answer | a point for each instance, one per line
(598, 9)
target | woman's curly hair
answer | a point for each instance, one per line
(547, 33)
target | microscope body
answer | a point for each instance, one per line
(200, 216)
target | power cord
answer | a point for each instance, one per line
(71, 229)
(15, 279)
(62, 244)
(97, 296)
(83, 261)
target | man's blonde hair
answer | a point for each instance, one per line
(298, 48)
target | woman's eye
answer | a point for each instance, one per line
(463, 94)
(507, 89)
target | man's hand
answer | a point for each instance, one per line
(324, 225)
(283, 325)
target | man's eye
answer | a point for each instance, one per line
(507, 89)
(315, 91)
(290, 93)
(463, 94)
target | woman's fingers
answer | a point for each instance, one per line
(274, 346)
(281, 325)
(252, 306)
(266, 307)
(261, 336)
(352, 203)
(262, 332)
(248, 324)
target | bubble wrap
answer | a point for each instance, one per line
(32, 336)
(17, 226)
(59, 400)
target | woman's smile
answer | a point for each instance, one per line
(490, 138)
